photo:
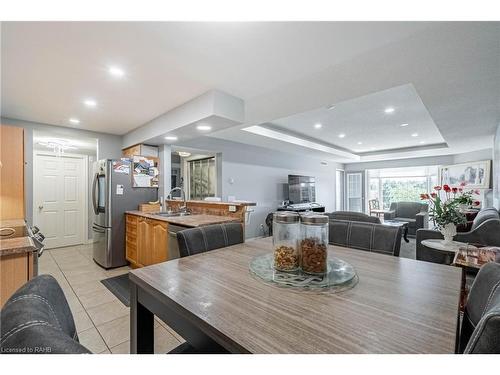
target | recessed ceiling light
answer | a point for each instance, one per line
(341, 135)
(422, 142)
(403, 125)
(90, 103)
(184, 154)
(360, 143)
(318, 126)
(414, 135)
(329, 107)
(116, 71)
(74, 120)
(171, 138)
(389, 110)
(204, 127)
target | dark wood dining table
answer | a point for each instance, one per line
(213, 301)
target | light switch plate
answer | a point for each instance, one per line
(232, 208)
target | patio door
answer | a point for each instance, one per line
(355, 191)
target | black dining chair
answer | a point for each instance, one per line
(480, 329)
(37, 320)
(199, 240)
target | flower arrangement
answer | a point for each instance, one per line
(444, 207)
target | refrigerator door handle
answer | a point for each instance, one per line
(94, 196)
(97, 229)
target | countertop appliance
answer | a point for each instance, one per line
(112, 195)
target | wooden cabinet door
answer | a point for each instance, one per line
(12, 172)
(159, 241)
(143, 242)
(131, 239)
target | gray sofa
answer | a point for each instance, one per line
(353, 216)
(372, 237)
(415, 213)
(485, 230)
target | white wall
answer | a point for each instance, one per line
(259, 175)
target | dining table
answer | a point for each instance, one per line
(216, 304)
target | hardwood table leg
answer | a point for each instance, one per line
(141, 325)
(405, 234)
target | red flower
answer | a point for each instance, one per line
(477, 203)
(446, 188)
(454, 190)
(460, 189)
(477, 192)
(463, 183)
(437, 188)
(433, 195)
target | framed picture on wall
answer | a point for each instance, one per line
(475, 174)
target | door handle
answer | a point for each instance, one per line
(94, 184)
(40, 207)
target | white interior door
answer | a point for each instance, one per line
(355, 189)
(59, 199)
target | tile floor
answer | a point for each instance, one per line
(102, 321)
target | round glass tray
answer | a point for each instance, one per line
(340, 276)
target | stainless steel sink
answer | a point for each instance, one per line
(171, 214)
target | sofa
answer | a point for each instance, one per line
(485, 230)
(371, 237)
(415, 213)
(353, 216)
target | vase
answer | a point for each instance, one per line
(448, 231)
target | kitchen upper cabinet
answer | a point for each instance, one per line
(146, 241)
(12, 172)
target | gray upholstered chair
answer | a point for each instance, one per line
(485, 230)
(353, 216)
(480, 330)
(365, 236)
(37, 319)
(199, 240)
(415, 213)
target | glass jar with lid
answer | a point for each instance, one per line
(314, 244)
(286, 231)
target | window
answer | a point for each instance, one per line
(339, 190)
(400, 184)
(202, 178)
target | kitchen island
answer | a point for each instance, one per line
(152, 238)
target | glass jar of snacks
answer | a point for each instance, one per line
(314, 243)
(286, 231)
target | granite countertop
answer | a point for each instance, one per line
(16, 245)
(238, 203)
(192, 221)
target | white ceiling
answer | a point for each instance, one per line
(49, 68)
(443, 77)
(364, 120)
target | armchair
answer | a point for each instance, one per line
(415, 213)
(485, 230)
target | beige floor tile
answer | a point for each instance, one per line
(123, 348)
(117, 271)
(96, 298)
(105, 352)
(87, 287)
(164, 341)
(172, 332)
(116, 331)
(83, 277)
(92, 340)
(107, 312)
(82, 321)
(74, 304)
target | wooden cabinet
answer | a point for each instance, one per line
(141, 150)
(16, 270)
(146, 240)
(12, 172)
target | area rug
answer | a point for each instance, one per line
(120, 287)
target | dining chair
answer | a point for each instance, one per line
(480, 329)
(199, 240)
(37, 320)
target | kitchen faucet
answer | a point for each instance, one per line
(183, 196)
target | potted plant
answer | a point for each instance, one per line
(445, 205)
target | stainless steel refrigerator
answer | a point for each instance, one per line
(112, 195)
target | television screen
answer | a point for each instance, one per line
(301, 189)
